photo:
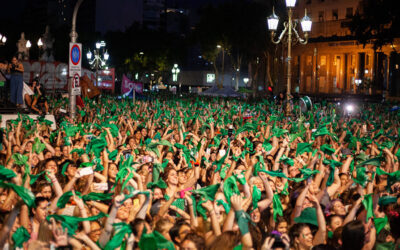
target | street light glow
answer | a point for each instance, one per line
(350, 108)
(273, 21)
(40, 43)
(28, 44)
(106, 56)
(219, 46)
(175, 71)
(3, 39)
(89, 55)
(306, 23)
(98, 45)
(290, 3)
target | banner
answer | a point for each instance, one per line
(106, 79)
(53, 75)
(127, 85)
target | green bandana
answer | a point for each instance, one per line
(64, 199)
(308, 215)
(205, 194)
(277, 206)
(230, 188)
(256, 195)
(153, 147)
(6, 174)
(20, 236)
(380, 223)
(160, 184)
(327, 149)
(155, 241)
(369, 206)
(391, 179)
(302, 148)
(225, 205)
(38, 146)
(64, 167)
(121, 229)
(72, 222)
(26, 195)
(386, 200)
(97, 196)
(286, 160)
(79, 151)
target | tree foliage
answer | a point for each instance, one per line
(139, 50)
(376, 22)
(238, 27)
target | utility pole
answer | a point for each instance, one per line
(74, 36)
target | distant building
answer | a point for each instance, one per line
(152, 10)
(168, 15)
(57, 13)
(332, 61)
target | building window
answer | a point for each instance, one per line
(349, 12)
(321, 16)
(335, 15)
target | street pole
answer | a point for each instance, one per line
(290, 28)
(134, 95)
(96, 53)
(74, 36)
(289, 59)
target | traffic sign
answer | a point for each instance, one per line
(76, 91)
(76, 88)
(76, 81)
(75, 59)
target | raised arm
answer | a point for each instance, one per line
(320, 236)
(106, 233)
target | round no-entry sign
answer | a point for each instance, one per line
(75, 55)
(76, 81)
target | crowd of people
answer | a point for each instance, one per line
(198, 173)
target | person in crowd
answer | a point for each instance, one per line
(15, 69)
(200, 173)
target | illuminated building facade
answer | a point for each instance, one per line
(333, 62)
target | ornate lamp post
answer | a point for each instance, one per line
(175, 72)
(289, 29)
(98, 62)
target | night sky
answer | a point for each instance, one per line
(110, 15)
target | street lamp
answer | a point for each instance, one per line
(28, 44)
(289, 27)
(100, 58)
(223, 64)
(175, 72)
(3, 39)
(40, 43)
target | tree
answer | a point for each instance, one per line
(143, 51)
(376, 22)
(238, 27)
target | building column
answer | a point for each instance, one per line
(315, 71)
